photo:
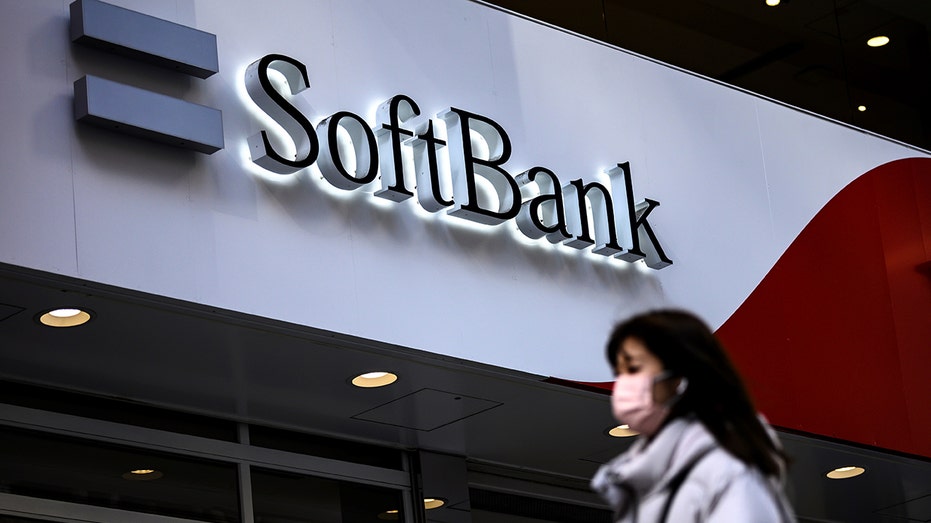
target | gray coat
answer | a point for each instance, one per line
(719, 489)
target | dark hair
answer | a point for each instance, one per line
(715, 393)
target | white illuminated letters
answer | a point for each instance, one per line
(543, 214)
(364, 164)
(350, 154)
(391, 114)
(286, 115)
(465, 166)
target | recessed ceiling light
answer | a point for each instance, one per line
(142, 475)
(877, 41)
(622, 431)
(772, 3)
(65, 317)
(845, 472)
(374, 379)
(428, 504)
(432, 503)
(861, 108)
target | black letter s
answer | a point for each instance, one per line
(297, 126)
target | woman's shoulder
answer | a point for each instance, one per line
(719, 468)
(726, 487)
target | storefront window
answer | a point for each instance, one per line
(325, 447)
(117, 411)
(498, 507)
(68, 469)
(281, 497)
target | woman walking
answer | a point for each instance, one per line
(704, 454)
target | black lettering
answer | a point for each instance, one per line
(638, 228)
(389, 117)
(425, 146)
(655, 257)
(543, 215)
(465, 166)
(602, 218)
(299, 129)
(333, 166)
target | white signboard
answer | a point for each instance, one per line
(438, 175)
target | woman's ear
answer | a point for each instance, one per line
(683, 384)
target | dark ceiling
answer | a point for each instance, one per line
(155, 351)
(811, 54)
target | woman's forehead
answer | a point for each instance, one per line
(632, 348)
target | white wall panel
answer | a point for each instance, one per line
(808, 161)
(704, 166)
(36, 205)
(737, 178)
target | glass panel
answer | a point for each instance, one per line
(107, 409)
(281, 497)
(498, 507)
(482, 516)
(69, 469)
(325, 447)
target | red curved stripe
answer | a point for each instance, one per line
(836, 339)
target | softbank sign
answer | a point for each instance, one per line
(579, 215)
(351, 154)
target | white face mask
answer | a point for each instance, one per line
(632, 401)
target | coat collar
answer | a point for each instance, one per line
(649, 465)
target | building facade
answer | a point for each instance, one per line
(254, 204)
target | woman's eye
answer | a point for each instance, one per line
(632, 370)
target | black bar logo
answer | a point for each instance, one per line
(137, 111)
